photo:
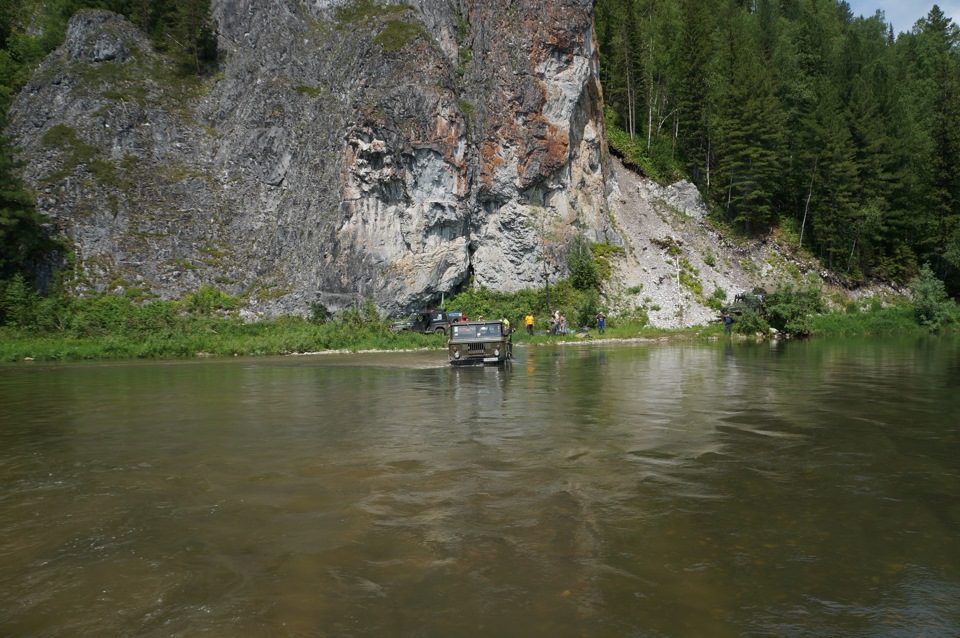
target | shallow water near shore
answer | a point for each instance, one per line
(795, 489)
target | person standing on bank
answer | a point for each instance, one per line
(601, 321)
(528, 320)
(727, 324)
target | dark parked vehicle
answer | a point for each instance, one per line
(430, 321)
(754, 300)
(479, 343)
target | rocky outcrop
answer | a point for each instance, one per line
(680, 268)
(345, 150)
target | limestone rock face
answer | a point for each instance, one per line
(345, 150)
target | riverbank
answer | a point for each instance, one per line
(229, 337)
(250, 340)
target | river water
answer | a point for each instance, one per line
(651, 489)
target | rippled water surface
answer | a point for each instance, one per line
(808, 489)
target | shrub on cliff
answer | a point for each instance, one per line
(583, 268)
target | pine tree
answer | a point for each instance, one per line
(943, 40)
(583, 268)
(621, 69)
(750, 133)
(833, 204)
(694, 50)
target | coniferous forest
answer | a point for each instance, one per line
(796, 115)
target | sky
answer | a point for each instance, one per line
(904, 13)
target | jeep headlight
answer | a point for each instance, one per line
(496, 351)
(456, 354)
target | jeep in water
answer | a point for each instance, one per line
(479, 342)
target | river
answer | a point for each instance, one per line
(646, 489)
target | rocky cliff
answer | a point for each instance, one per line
(345, 150)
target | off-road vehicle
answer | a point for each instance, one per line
(426, 322)
(754, 300)
(479, 343)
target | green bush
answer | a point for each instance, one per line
(750, 323)
(637, 317)
(602, 254)
(583, 268)
(364, 316)
(17, 303)
(585, 311)
(318, 313)
(476, 302)
(208, 300)
(790, 309)
(933, 308)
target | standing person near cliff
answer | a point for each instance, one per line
(601, 322)
(528, 321)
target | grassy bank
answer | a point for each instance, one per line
(895, 320)
(207, 322)
(278, 338)
(228, 337)
(224, 336)
(217, 338)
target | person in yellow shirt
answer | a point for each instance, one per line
(528, 320)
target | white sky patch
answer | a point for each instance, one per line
(904, 13)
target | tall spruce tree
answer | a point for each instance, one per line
(622, 69)
(750, 127)
(694, 50)
(942, 39)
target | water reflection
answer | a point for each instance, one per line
(645, 490)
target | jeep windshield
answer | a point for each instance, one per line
(477, 331)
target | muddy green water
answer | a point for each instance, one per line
(807, 489)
